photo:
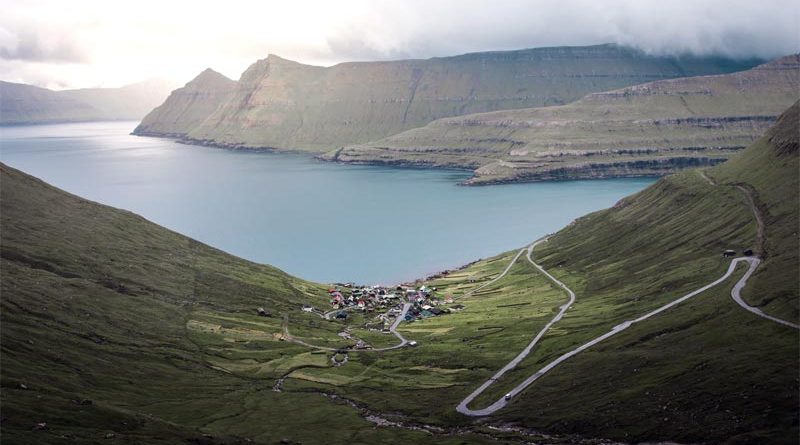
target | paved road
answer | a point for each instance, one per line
(500, 403)
(737, 297)
(462, 407)
(393, 329)
(762, 244)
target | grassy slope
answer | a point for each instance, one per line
(100, 304)
(770, 170)
(707, 370)
(704, 371)
(660, 125)
(159, 330)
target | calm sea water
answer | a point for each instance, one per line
(321, 221)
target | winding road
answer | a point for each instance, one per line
(462, 407)
(752, 262)
(500, 403)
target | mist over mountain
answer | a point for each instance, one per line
(27, 104)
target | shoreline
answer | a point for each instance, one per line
(473, 181)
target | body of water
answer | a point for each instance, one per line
(320, 221)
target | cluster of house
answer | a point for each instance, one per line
(371, 298)
(424, 303)
(366, 298)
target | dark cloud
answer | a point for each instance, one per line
(407, 28)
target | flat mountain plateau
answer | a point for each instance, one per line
(281, 104)
(644, 130)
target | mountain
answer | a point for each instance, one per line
(114, 329)
(22, 104)
(649, 129)
(27, 104)
(187, 107)
(287, 105)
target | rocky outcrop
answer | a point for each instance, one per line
(282, 104)
(188, 107)
(695, 117)
(633, 168)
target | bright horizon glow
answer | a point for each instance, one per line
(91, 43)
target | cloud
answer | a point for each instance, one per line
(39, 45)
(90, 42)
(393, 28)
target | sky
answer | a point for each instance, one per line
(89, 43)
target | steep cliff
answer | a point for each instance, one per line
(287, 105)
(647, 129)
(189, 106)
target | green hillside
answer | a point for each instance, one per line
(650, 129)
(104, 320)
(283, 104)
(115, 330)
(704, 371)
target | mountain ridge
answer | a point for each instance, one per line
(281, 104)
(647, 129)
(22, 104)
(188, 106)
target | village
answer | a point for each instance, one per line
(387, 301)
(382, 306)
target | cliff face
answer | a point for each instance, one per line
(27, 104)
(647, 129)
(282, 104)
(189, 106)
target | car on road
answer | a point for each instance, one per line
(507, 396)
(412, 343)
